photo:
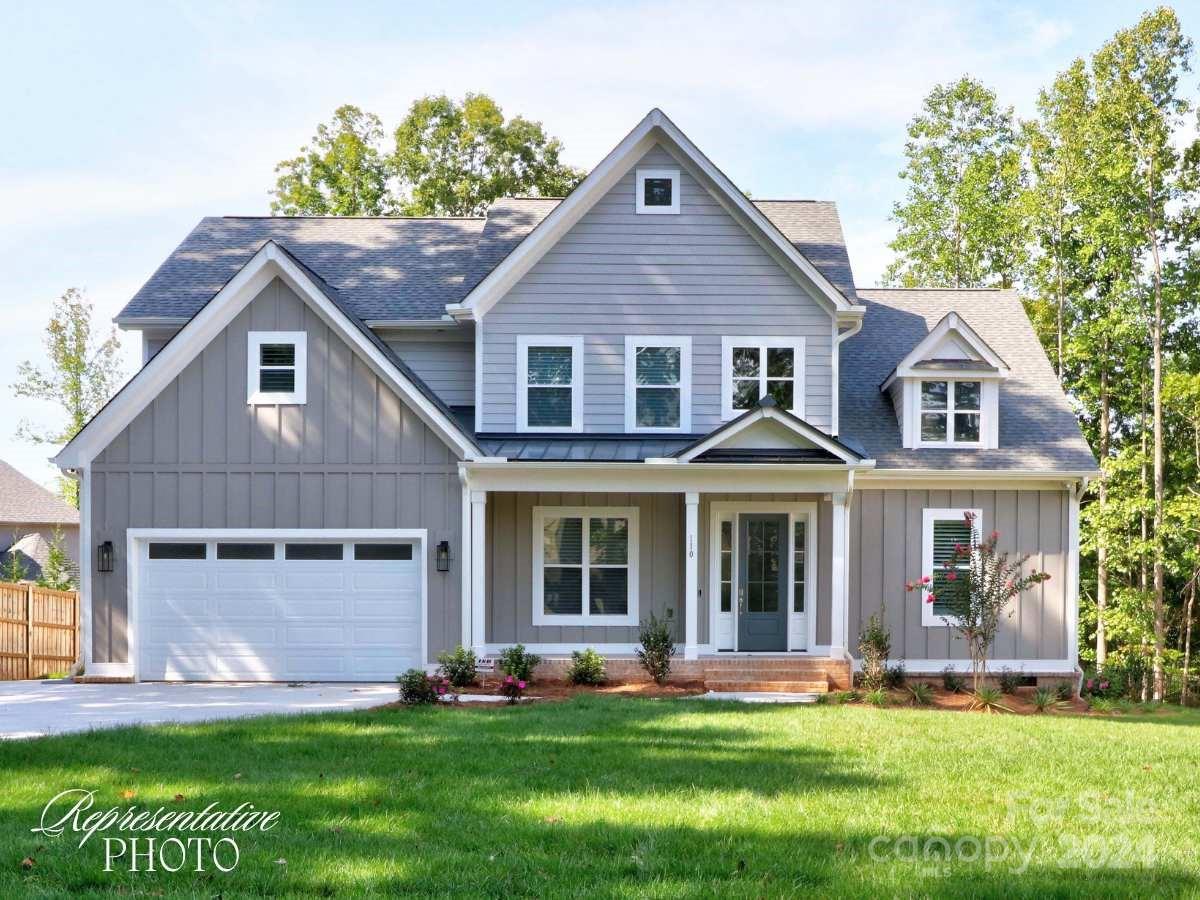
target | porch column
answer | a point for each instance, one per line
(467, 586)
(840, 576)
(478, 569)
(691, 577)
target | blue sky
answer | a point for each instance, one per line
(125, 123)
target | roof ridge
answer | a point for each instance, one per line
(790, 200)
(932, 289)
(364, 218)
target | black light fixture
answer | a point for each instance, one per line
(104, 557)
(443, 556)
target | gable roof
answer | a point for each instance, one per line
(831, 447)
(951, 325)
(655, 128)
(270, 262)
(1038, 429)
(24, 501)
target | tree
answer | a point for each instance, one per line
(83, 374)
(12, 570)
(959, 223)
(57, 573)
(454, 159)
(342, 172)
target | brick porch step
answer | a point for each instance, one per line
(745, 685)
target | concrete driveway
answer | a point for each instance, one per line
(36, 708)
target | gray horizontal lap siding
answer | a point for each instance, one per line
(615, 273)
(885, 552)
(444, 362)
(354, 456)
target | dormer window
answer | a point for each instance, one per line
(276, 367)
(657, 191)
(951, 412)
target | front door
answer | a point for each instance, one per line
(762, 586)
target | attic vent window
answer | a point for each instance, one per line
(657, 191)
(276, 367)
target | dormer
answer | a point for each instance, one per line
(946, 391)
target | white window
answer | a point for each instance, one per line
(944, 531)
(755, 367)
(658, 383)
(276, 367)
(549, 383)
(657, 191)
(951, 413)
(585, 565)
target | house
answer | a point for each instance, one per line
(30, 516)
(358, 442)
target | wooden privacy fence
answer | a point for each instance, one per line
(39, 631)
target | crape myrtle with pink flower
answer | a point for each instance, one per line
(978, 584)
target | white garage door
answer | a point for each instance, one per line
(278, 610)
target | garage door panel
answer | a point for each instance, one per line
(279, 619)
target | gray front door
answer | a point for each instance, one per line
(762, 588)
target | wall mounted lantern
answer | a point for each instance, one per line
(443, 556)
(104, 557)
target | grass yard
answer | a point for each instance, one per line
(634, 797)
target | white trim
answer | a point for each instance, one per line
(691, 575)
(84, 480)
(839, 566)
(639, 195)
(524, 342)
(466, 556)
(951, 322)
(478, 570)
(654, 128)
(927, 479)
(809, 432)
(585, 616)
(929, 516)
(268, 263)
(763, 343)
(565, 648)
(296, 397)
(1073, 572)
(722, 510)
(633, 342)
(994, 666)
(479, 407)
(134, 537)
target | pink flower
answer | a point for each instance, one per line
(959, 548)
(508, 680)
(1089, 684)
(441, 690)
(925, 579)
(930, 598)
(952, 576)
(968, 516)
(994, 536)
(1104, 685)
(908, 585)
(521, 685)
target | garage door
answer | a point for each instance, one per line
(278, 610)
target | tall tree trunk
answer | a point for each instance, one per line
(1187, 640)
(1058, 268)
(1102, 539)
(1160, 616)
(1143, 569)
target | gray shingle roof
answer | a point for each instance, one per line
(1038, 430)
(398, 268)
(24, 501)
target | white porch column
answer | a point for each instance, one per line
(839, 570)
(691, 577)
(467, 586)
(478, 569)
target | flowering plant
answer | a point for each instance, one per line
(512, 688)
(417, 688)
(981, 583)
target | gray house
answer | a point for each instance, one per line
(357, 442)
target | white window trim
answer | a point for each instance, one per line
(524, 342)
(763, 344)
(684, 343)
(255, 339)
(540, 514)
(929, 619)
(639, 192)
(951, 396)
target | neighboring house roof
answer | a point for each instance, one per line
(23, 500)
(33, 550)
(1038, 430)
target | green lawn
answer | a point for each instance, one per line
(631, 797)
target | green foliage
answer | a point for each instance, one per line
(458, 666)
(58, 572)
(83, 373)
(894, 677)
(847, 696)
(1008, 680)
(1102, 705)
(1064, 690)
(12, 569)
(587, 667)
(874, 645)
(1045, 699)
(920, 693)
(952, 681)
(518, 662)
(989, 699)
(513, 688)
(419, 689)
(877, 697)
(657, 646)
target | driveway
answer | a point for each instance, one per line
(36, 708)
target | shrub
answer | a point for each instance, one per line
(1009, 680)
(848, 696)
(894, 677)
(512, 688)
(1044, 699)
(877, 697)
(952, 681)
(657, 648)
(518, 663)
(458, 666)
(874, 645)
(1125, 706)
(418, 689)
(1064, 691)
(989, 699)
(921, 693)
(586, 667)
(1101, 705)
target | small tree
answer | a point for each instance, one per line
(983, 583)
(57, 573)
(12, 569)
(874, 647)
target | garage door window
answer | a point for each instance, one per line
(245, 551)
(178, 551)
(312, 551)
(377, 552)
